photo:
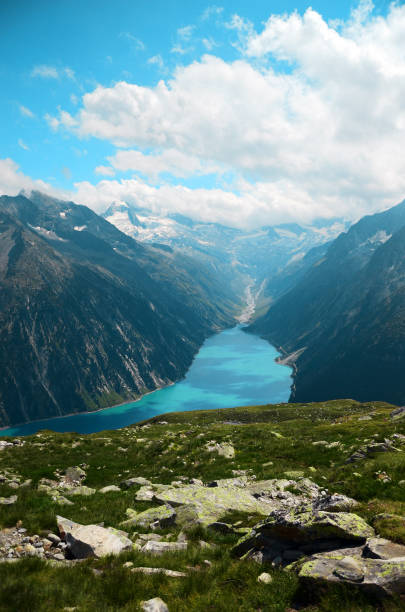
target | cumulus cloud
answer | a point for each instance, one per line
(104, 170)
(248, 208)
(171, 161)
(12, 180)
(324, 137)
(251, 205)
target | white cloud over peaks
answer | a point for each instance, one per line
(248, 208)
(12, 180)
(324, 137)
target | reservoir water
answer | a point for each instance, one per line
(232, 369)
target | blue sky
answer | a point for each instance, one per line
(54, 53)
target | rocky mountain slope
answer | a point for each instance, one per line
(219, 509)
(88, 316)
(343, 323)
(272, 256)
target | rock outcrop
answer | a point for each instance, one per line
(92, 540)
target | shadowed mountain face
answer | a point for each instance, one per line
(346, 317)
(88, 316)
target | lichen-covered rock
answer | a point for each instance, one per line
(376, 576)
(303, 525)
(92, 540)
(164, 515)
(149, 492)
(133, 482)
(380, 548)
(211, 503)
(335, 503)
(225, 449)
(81, 490)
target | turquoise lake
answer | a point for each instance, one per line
(232, 369)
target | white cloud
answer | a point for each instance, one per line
(105, 170)
(136, 43)
(26, 112)
(186, 32)
(211, 11)
(51, 72)
(209, 43)
(252, 205)
(157, 60)
(171, 160)
(22, 144)
(12, 180)
(177, 48)
(324, 137)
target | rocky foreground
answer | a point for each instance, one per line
(290, 522)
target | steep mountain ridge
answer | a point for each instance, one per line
(346, 317)
(89, 317)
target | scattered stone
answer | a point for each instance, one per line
(369, 450)
(158, 570)
(53, 538)
(159, 548)
(398, 413)
(223, 449)
(74, 475)
(265, 578)
(154, 605)
(128, 565)
(110, 489)
(7, 501)
(4, 444)
(81, 490)
(133, 482)
(16, 544)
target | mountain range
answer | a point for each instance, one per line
(343, 324)
(98, 310)
(274, 256)
(88, 316)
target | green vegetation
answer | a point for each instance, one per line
(165, 452)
